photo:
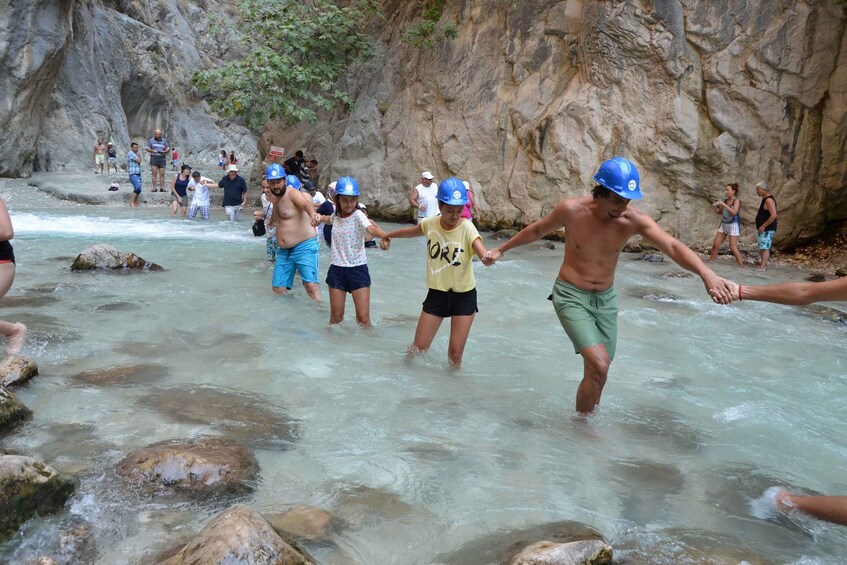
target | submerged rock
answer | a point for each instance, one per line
(653, 257)
(824, 313)
(123, 374)
(12, 410)
(498, 547)
(243, 417)
(586, 552)
(197, 466)
(305, 522)
(17, 370)
(504, 234)
(103, 256)
(238, 535)
(816, 277)
(841, 271)
(28, 487)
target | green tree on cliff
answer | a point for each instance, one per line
(296, 52)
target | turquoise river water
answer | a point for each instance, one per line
(706, 406)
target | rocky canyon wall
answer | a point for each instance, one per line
(533, 95)
(72, 71)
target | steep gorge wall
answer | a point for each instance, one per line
(74, 71)
(533, 95)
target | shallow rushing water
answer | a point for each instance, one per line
(705, 408)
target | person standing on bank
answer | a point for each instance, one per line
(765, 223)
(157, 147)
(730, 210)
(235, 193)
(598, 227)
(99, 156)
(133, 169)
(423, 197)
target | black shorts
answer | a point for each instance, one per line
(157, 161)
(348, 279)
(445, 304)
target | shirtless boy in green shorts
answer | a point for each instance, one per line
(598, 227)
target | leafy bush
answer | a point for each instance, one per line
(296, 52)
(427, 33)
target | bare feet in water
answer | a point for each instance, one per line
(15, 339)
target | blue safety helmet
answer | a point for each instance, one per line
(274, 172)
(621, 177)
(347, 186)
(293, 181)
(451, 191)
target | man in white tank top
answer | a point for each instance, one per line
(423, 198)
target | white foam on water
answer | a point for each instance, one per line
(764, 507)
(102, 226)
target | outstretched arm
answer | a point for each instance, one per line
(719, 289)
(830, 508)
(553, 221)
(795, 293)
(411, 231)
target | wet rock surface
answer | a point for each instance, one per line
(101, 256)
(823, 313)
(28, 487)
(304, 522)
(239, 534)
(12, 411)
(209, 465)
(588, 552)
(498, 548)
(653, 257)
(17, 370)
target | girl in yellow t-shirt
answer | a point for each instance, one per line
(451, 243)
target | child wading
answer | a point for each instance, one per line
(451, 242)
(349, 269)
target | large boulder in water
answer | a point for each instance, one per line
(104, 256)
(586, 552)
(239, 535)
(210, 465)
(28, 487)
(12, 410)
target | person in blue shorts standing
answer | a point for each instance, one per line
(295, 219)
(133, 168)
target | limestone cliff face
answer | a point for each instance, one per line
(74, 71)
(533, 95)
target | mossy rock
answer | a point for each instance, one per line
(28, 487)
(12, 410)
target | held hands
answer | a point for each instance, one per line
(734, 293)
(491, 257)
(721, 290)
(316, 219)
(385, 244)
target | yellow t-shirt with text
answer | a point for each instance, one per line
(449, 255)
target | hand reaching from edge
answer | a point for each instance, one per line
(384, 243)
(491, 257)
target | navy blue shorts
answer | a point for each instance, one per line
(348, 279)
(445, 304)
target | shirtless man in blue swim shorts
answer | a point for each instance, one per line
(295, 219)
(598, 227)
